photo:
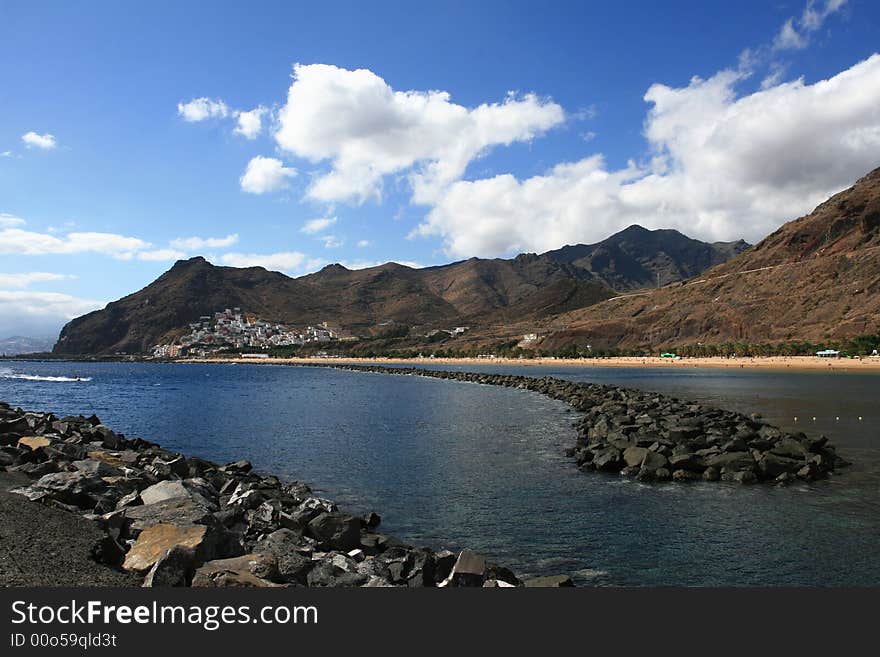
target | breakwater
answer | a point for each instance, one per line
(174, 520)
(655, 437)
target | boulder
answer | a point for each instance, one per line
(237, 468)
(771, 465)
(654, 461)
(790, 448)
(174, 568)
(745, 477)
(34, 442)
(249, 570)
(607, 459)
(634, 456)
(687, 461)
(285, 546)
(340, 531)
(731, 461)
(326, 574)
(74, 488)
(179, 510)
(96, 468)
(156, 540)
(164, 490)
(685, 475)
(115, 459)
(469, 570)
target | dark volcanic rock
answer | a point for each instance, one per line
(339, 531)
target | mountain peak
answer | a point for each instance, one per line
(195, 261)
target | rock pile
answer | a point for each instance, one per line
(658, 438)
(181, 521)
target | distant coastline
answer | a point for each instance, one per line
(811, 363)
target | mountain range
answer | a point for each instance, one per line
(484, 293)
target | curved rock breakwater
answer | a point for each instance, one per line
(657, 438)
(180, 521)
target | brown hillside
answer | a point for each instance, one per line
(817, 277)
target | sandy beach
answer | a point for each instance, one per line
(766, 363)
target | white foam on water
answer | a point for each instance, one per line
(9, 374)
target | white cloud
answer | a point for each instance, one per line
(18, 241)
(21, 281)
(159, 255)
(286, 261)
(7, 154)
(33, 140)
(199, 243)
(40, 313)
(722, 167)
(24, 242)
(200, 109)
(368, 264)
(9, 220)
(376, 131)
(331, 241)
(266, 174)
(362, 244)
(314, 226)
(789, 38)
(250, 123)
(795, 32)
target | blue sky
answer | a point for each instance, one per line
(134, 135)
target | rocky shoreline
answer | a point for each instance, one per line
(170, 520)
(654, 437)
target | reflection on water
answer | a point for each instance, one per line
(455, 464)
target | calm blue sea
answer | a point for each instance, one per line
(451, 464)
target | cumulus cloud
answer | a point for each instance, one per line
(45, 142)
(314, 226)
(362, 244)
(24, 242)
(289, 261)
(722, 166)
(795, 32)
(199, 243)
(24, 280)
(18, 241)
(250, 123)
(266, 174)
(201, 109)
(376, 131)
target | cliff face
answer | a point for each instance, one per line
(816, 278)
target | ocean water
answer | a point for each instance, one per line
(451, 464)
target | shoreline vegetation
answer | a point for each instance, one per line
(172, 520)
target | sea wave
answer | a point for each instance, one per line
(33, 377)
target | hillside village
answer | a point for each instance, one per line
(233, 329)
